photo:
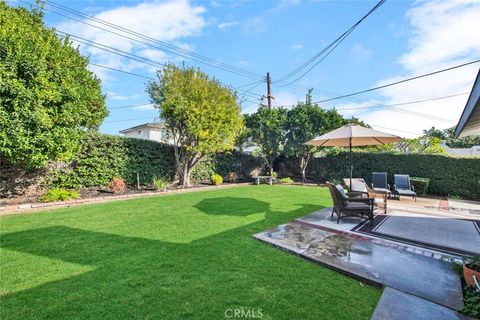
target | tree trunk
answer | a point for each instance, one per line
(303, 166)
(183, 172)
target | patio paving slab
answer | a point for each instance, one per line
(458, 234)
(397, 305)
(425, 277)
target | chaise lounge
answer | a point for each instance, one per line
(403, 187)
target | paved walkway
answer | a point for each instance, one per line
(371, 261)
(397, 305)
(420, 282)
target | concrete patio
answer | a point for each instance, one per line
(409, 250)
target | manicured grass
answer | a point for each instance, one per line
(185, 256)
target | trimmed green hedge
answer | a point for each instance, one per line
(420, 185)
(449, 176)
(103, 157)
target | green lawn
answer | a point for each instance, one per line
(184, 256)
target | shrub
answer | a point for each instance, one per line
(117, 185)
(286, 180)
(471, 298)
(274, 175)
(449, 176)
(420, 185)
(103, 157)
(217, 179)
(232, 177)
(160, 183)
(59, 194)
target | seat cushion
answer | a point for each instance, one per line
(405, 192)
(381, 190)
(357, 206)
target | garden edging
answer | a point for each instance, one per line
(38, 206)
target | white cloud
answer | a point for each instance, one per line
(254, 25)
(228, 24)
(114, 96)
(445, 33)
(145, 107)
(297, 46)
(284, 4)
(165, 21)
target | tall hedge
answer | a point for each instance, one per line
(449, 176)
(103, 157)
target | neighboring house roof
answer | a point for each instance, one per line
(473, 151)
(157, 125)
(469, 123)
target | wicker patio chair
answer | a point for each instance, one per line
(344, 205)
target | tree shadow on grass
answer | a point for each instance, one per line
(144, 278)
(232, 206)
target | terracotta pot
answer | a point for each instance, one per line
(468, 275)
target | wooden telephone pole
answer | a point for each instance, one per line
(269, 95)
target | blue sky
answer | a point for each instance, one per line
(399, 40)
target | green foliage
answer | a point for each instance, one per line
(217, 179)
(286, 180)
(471, 299)
(244, 165)
(48, 97)
(420, 145)
(304, 122)
(103, 157)
(420, 185)
(59, 194)
(202, 114)
(449, 176)
(160, 183)
(449, 136)
(267, 128)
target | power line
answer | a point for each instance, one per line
(405, 103)
(385, 128)
(122, 71)
(330, 47)
(163, 45)
(401, 81)
(135, 58)
(131, 106)
(131, 119)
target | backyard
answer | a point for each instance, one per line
(180, 256)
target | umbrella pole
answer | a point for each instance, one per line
(351, 165)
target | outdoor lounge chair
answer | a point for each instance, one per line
(403, 187)
(360, 187)
(379, 182)
(344, 206)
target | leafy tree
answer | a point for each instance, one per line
(48, 97)
(436, 133)
(304, 122)
(267, 129)
(202, 115)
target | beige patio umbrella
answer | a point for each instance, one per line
(350, 136)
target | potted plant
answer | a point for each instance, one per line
(471, 268)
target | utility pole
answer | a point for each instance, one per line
(269, 95)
